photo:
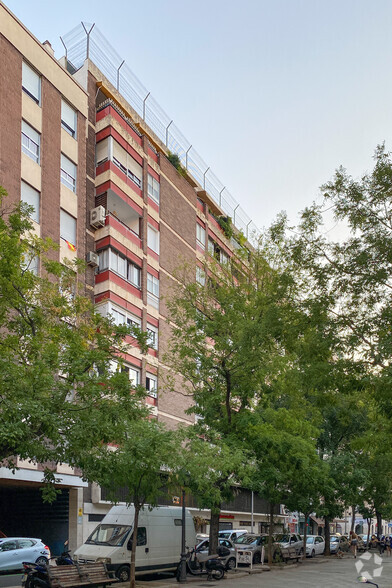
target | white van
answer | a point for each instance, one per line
(158, 540)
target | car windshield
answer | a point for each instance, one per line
(283, 538)
(334, 539)
(310, 540)
(109, 535)
(246, 539)
(224, 535)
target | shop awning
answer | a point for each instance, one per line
(318, 521)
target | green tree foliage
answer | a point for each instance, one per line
(59, 396)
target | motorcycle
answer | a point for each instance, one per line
(198, 564)
(36, 575)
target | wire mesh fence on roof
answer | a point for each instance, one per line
(87, 41)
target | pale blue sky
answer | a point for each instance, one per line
(274, 95)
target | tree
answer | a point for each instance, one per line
(142, 465)
(59, 394)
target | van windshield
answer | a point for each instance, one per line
(113, 535)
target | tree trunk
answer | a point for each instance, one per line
(214, 529)
(353, 519)
(369, 522)
(327, 536)
(270, 530)
(379, 524)
(134, 544)
(306, 516)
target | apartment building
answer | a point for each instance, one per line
(103, 187)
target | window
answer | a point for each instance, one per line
(128, 165)
(211, 247)
(134, 376)
(151, 385)
(30, 262)
(102, 152)
(68, 118)
(68, 173)
(32, 198)
(200, 276)
(67, 227)
(223, 257)
(31, 83)
(200, 236)
(110, 259)
(153, 238)
(152, 290)
(30, 141)
(141, 538)
(153, 188)
(122, 317)
(152, 333)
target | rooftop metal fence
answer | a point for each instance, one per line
(86, 41)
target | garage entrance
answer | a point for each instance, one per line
(24, 514)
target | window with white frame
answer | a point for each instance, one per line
(32, 198)
(119, 315)
(200, 276)
(152, 290)
(153, 238)
(114, 261)
(68, 118)
(31, 140)
(68, 173)
(152, 385)
(223, 257)
(31, 82)
(67, 227)
(152, 333)
(133, 372)
(200, 236)
(126, 163)
(211, 246)
(153, 188)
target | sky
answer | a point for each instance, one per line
(274, 95)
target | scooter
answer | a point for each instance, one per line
(36, 576)
(199, 564)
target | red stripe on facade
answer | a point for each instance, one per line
(152, 271)
(153, 254)
(153, 204)
(109, 110)
(131, 359)
(106, 241)
(152, 320)
(128, 233)
(222, 245)
(151, 221)
(151, 369)
(153, 155)
(153, 173)
(152, 352)
(112, 277)
(200, 205)
(116, 170)
(119, 301)
(109, 185)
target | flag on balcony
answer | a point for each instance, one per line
(70, 246)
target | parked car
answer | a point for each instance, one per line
(201, 537)
(290, 540)
(339, 543)
(230, 561)
(15, 550)
(253, 543)
(232, 534)
(315, 545)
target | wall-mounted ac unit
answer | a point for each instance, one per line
(93, 258)
(97, 217)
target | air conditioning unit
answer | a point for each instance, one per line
(97, 217)
(93, 258)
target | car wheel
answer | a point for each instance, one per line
(123, 573)
(301, 551)
(231, 563)
(257, 558)
(42, 561)
(313, 553)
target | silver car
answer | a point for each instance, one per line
(15, 550)
(230, 561)
(253, 543)
(290, 540)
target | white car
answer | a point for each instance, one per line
(232, 534)
(315, 545)
(15, 550)
(230, 561)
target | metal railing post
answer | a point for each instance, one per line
(204, 178)
(88, 39)
(167, 132)
(234, 214)
(118, 75)
(247, 228)
(220, 196)
(186, 156)
(144, 106)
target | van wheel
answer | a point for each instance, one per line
(230, 565)
(123, 574)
